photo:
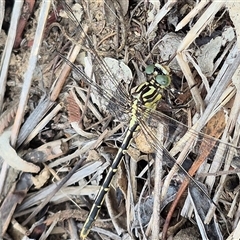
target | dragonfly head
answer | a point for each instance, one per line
(161, 74)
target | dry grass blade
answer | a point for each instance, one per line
(2, 7)
(8, 154)
(157, 188)
(29, 73)
(8, 46)
(15, 196)
(163, 11)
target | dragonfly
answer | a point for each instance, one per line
(141, 108)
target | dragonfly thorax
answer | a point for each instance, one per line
(147, 94)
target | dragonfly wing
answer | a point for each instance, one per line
(201, 206)
(107, 82)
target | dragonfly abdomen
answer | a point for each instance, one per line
(107, 181)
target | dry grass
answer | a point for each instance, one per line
(63, 127)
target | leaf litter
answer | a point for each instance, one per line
(202, 47)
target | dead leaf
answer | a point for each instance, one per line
(8, 154)
(41, 178)
(143, 143)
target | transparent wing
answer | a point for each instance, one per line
(105, 92)
(180, 129)
(112, 87)
(177, 135)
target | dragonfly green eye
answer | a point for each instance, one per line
(163, 80)
(149, 69)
